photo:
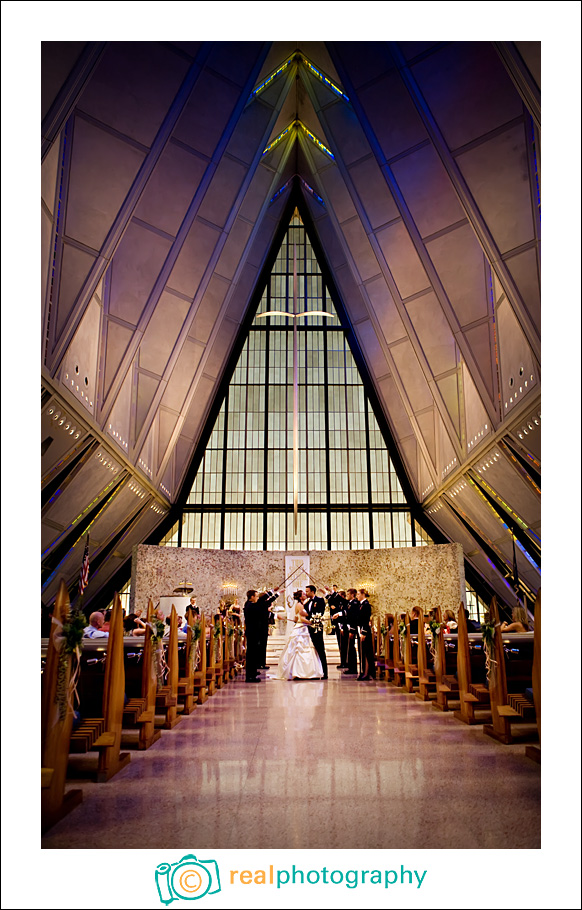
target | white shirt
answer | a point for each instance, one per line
(92, 632)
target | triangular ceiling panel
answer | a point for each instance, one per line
(79, 372)
(119, 423)
(479, 339)
(477, 423)
(49, 176)
(118, 340)
(517, 373)
(434, 333)
(75, 266)
(426, 423)
(525, 272)
(460, 265)
(147, 387)
(167, 423)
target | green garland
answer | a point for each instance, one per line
(216, 631)
(488, 632)
(72, 643)
(194, 650)
(402, 629)
(158, 629)
(435, 628)
(383, 630)
(73, 630)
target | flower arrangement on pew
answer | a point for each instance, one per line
(69, 642)
(435, 630)
(158, 627)
(194, 652)
(488, 632)
(402, 633)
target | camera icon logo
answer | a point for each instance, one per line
(188, 879)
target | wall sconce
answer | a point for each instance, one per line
(368, 586)
(229, 588)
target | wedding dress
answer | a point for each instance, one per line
(299, 660)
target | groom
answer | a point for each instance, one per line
(313, 605)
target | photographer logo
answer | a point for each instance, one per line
(188, 879)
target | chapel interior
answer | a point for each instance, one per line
(198, 198)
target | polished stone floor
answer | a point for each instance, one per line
(312, 764)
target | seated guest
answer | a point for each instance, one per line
(519, 624)
(472, 626)
(95, 627)
(234, 608)
(416, 614)
(192, 616)
(449, 619)
(105, 626)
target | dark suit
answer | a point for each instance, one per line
(352, 616)
(317, 605)
(338, 606)
(252, 613)
(263, 603)
(368, 664)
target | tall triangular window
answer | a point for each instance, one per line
(347, 490)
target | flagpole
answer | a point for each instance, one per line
(295, 398)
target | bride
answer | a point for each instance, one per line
(299, 659)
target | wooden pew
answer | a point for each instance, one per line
(532, 751)
(56, 730)
(167, 695)
(506, 708)
(381, 648)
(426, 675)
(211, 670)
(223, 669)
(186, 664)
(445, 667)
(410, 668)
(228, 648)
(103, 733)
(398, 666)
(140, 710)
(471, 695)
(199, 675)
(239, 645)
(389, 648)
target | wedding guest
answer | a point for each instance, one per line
(95, 627)
(449, 619)
(264, 603)
(105, 626)
(337, 612)
(416, 614)
(352, 615)
(367, 665)
(472, 626)
(519, 621)
(252, 631)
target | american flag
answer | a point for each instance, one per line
(84, 576)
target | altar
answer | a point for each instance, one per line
(396, 579)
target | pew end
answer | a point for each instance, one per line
(55, 730)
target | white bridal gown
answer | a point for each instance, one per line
(299, 660)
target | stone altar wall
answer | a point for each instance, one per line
(432, 576)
